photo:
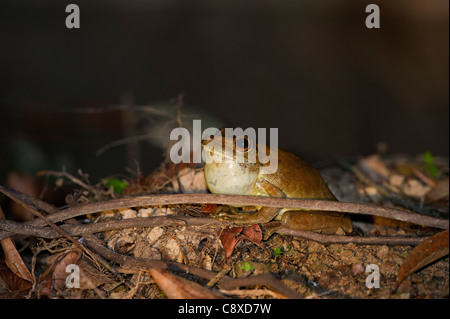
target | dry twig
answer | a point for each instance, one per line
(303, 204)
(168, 199)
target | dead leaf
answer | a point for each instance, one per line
(13, 259)
(12, 281)
(143, 249)
(415, 189)
(375, 168)
(59, 273)
(439, 192)
(397, 180)
(230, 237)
(176, 287)
(124, 243)
(253, 233)
(54, 278)
(425, 253)
(208, 208)
(192, 181)
(91, 277)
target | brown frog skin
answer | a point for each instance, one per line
(294, 178)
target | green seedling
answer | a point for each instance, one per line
(430, 165)
(117, 184)
(247, 266)
(277, 252)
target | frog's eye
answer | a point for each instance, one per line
(243, 144)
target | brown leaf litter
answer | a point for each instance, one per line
(281, 266)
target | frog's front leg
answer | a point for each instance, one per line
(264, 214)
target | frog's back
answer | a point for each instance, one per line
(298, 179)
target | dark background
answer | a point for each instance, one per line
(309, 68)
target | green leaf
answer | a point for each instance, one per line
(277, 252)
(117, 184)
(247, 266)
(431, 168)
(428, 158)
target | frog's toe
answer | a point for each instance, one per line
(237, 219)
(223, 218)
(222, 215)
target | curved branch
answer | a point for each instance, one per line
(170, 199)
(338, 239)
(83, 229)
(242, 200)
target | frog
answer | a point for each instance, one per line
(293, 178)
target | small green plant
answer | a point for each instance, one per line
(430, 166)
(277, 252)
(117, 184)
(247, 266)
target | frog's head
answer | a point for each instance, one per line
(222, 148)
(231, 163)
